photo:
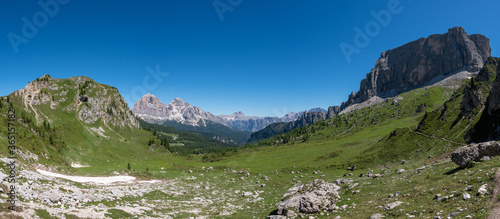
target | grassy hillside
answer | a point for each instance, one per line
(53, 131)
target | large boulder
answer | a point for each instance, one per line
(474, 152)
(310, 198)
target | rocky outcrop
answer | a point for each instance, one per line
(489, 71)
(310, 198)
(90, 100)
(332, 111)
(419, 62)
(474, 152)
(151, 109)
(488, 126)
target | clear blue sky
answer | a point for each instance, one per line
(265, 58)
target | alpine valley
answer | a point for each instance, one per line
(418, 140)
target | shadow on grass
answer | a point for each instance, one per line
(454, 171)
(274, 212)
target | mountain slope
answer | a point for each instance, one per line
(77, 120)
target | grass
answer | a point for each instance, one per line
(117, 213)
(43, 214)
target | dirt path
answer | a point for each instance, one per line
(495, 211)
(430, 136)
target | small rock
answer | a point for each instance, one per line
(485, 158)
(262, 185)
(466, 196)
(482, 190)
(393, 205)
(400, 170)
(403, 162)
(376, 216)
(343, 181)
(397, 193)
(190, 171)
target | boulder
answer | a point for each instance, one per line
(392, 205)
(474, 152)
(310, 198)
(376, 216)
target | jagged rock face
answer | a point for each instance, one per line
(151, 109)
(332, 111)
(417, 63)
(150, 105)
(489, 71)
(91, 101)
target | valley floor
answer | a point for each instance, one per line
(432, 189)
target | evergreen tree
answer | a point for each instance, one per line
(128, 166)
(472, 83)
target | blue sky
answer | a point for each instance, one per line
(264, 58)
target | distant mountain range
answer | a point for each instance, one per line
(150, 109)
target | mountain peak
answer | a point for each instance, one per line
(418, 62)
(239, 113)
(179, 102)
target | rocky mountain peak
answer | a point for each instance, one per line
(179, 102)
(239, 113)
(152, 110)
(416, 63)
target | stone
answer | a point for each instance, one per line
(343, 181)
(392, 205)
(466, 196)
(400, 170)
(403, 162)
(276, 217)
(437, 196)
(474, 152)
(483, 189)
(310, 198)
(485, 158)
(376, 216)
(190, 171)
